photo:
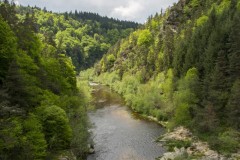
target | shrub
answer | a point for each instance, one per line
(171, 144)
(56, 127)
(201, 20)
(145, 38)
(35, 144)
(229, 141)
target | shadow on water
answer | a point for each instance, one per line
(120, 134)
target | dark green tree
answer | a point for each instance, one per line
(8, 48)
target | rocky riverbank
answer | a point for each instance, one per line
(183, 145)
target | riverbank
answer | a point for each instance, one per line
(153, 103)
(182, 144)
(143, 116)
(115, 129)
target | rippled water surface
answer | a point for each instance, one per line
(118, 133)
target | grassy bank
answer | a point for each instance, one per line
(157, 100)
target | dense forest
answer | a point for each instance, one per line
(83, 36)
(43, 106)
(183, 67)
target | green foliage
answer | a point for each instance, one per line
(187, 58)
(183, 66)
(233, 110)
(229, 141)
(35, 143)
(22, 139)
(85, 37)
(42, 109)
(56, 127)
(77, 106)
(223, 5)
(167, 86)
(10, 137)
(201, 20)
(182, 114)
(110, 60)
(177, 143)
(145, 38)
(22, 83)
(8, 48)
(184, 157)
(145, 103)
(137, 95)
(194, 3)
(185, 99)
(87, 74)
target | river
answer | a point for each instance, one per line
(120, 134)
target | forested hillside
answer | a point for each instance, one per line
(43, 108)
(183, 67)
(83, 36)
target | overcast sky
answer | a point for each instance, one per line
(133, 10)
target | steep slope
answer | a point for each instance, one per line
(184, 67)
(42, 108)
(85, 37)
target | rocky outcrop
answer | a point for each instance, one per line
(197, 150)
(172, 155)
(179, 133)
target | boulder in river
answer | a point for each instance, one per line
(91, 149)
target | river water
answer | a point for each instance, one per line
(118, 133)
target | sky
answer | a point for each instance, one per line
(132, 10)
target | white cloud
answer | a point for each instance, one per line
(128, 12)
(134, 10)
(17, 3)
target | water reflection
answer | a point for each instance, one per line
(117, 134)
